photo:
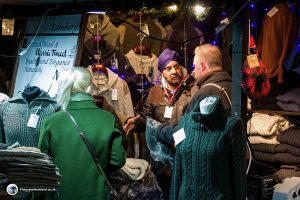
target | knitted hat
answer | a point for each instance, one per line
(166, 57)
(251, 42)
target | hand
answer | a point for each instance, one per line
(130, 124)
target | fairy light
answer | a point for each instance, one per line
(173, 8)
(253, 24)
(199, 10)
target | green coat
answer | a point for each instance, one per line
(58, 138)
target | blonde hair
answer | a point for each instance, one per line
(210, 54)
(71, 81)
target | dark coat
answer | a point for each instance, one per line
(218, 77)
(59, 138)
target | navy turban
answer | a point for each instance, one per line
(166, 57)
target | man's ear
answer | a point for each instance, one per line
(203, 67)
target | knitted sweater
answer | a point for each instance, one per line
(129, 36)
(123, 103)
(14, 116)
(277, 35)
(145, 65)
(210, 162)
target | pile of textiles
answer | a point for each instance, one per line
(135, 181)
(263, 131)
(28, 168)
(288, 150)
(289, 101)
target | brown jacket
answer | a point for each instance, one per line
(157, 101)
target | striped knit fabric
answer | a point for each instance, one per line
(210, 162)
(286, 148)
(290, 136)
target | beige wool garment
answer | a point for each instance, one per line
(123, 104)
(136, 169)
(263, 140)
(143, 65)
(267, 125)
(102, 26)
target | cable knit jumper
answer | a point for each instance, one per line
(210, 163)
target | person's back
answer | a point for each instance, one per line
(60, 139)
(212, 78)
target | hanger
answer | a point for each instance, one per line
(100, 68)
(30, 92)
(142, 50)
(139, 17)
(98, 39)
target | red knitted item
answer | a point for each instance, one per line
(255, 81)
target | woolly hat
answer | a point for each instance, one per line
(251, 42)
(166, 57)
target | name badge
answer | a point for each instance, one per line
(33, 120)
(114, 94)
(179, 136)
(168, 112)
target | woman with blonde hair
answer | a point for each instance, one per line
(59, 138)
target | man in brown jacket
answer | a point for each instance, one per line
(165, 104)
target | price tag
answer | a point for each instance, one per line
(179, 136)
(272, 12)
(33, 120)
(225, 21)
(8, 26)
(114, 94)
(252, 61)
(168, 112)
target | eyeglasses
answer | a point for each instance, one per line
(169, 68)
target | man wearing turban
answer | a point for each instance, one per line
(165, 104)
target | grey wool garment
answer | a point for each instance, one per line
(14, 116)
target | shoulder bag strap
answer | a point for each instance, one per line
(221, 88)
(88, 145)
